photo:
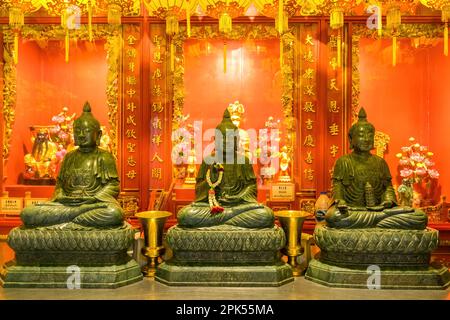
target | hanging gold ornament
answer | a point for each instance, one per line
(90, 9)
(114, 14)
(16, 12)
(225, 23)
(444, 6)
(115, 9)
(172, 11)
(337, 10)
(336, 18)
(16, 21)
(225, 11)
(394, 10)
(224, 57)
(65, 25)
(281, 11)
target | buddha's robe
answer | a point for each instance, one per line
(241, 209)
(364, 184)
(85, 194)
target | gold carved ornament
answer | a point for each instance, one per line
(336, 9)
(427, 31)
(444, 7)
(225, 11)
(381, 141)
(394, 10)
(172, 12)
(45, 33)
(16, 12)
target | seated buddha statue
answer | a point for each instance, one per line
(362, 188)
(86, 188)
(225, 189)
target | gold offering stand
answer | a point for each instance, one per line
(292, 223)
(153, 225)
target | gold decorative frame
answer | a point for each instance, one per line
(405, 31)
(239, 32)
(113, 47)
(361, 30)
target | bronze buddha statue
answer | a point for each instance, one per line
(225, 190)
(86, 188)
(362, 188)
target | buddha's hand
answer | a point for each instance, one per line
(226, 198)
(388, 204)
(342, 208)
(75, 200)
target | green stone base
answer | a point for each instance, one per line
(224, 276)
(433, 278)
(107, 277)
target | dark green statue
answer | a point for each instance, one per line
(362, 188)
(225, 190)
(87, 185)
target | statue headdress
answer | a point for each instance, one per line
(88, 116)
(362, 121)
(236, 110)
(226, 129)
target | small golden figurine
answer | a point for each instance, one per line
(237, 110)
(192, 168)
(41, 162)
(285, 161)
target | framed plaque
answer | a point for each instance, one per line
(282, 192)
(33, 201)
(11, 206)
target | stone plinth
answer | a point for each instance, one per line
(351, 257)
(225, 256)
(47, 258)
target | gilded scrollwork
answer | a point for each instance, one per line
(9, 91)
(47, 32)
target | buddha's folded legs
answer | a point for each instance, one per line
(52, 213)
(101, 217)
(382, 219)
(413, 220)
(250, 215)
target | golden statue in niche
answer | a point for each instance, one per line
(237, 110)
(285, 161)
(191, 168)
(42, 161)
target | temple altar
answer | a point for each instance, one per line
(159, 84)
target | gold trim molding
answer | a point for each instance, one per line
(113, 47)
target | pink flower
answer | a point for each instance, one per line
(417, 157)
(55, 129)
(60, 154)
(405, 149)
(58, 119)
(428, 162)
(63, 135)
(420, 171)
(433, 173)
(406, 172)
(404, 162)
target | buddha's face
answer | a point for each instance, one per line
(86, 134)
(363, 139)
